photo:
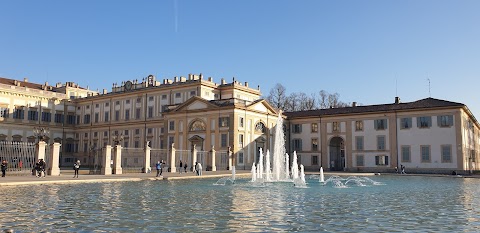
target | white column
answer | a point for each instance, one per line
(214, 167)
(107, 157)
(54, 160)
(117, 160)
(40, 148)
(194, 156)
(147, 159)
(173, 169)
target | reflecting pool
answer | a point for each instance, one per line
(422, 204)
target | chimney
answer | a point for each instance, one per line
(354, 104)
(201, 76)
(25, 80)
(397, 100)
(190, 76)
(104, 91)
(210, 79)
(175, 79)
(223, 82)
(246, 84)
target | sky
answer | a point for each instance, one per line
(367, 51)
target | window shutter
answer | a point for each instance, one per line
(377, 160)
(418, 122)
(386, 160)
(300, 126)
(439, 121)
(386, 124)
(429, 120)
(450, 120)
(376, 124)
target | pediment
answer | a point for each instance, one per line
(263, 107)
(196, 105)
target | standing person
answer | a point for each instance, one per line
(158, 166)
(181, 166)
(42, 166)
(403, 169)
(4, 167)
(199, 169)
(162, 165)
(76, 167)
(185, 166)
(20, 165)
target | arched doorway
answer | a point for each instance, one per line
(259, 143)
(337, 154)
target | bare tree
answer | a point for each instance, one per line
(322, 99)
(278, 96)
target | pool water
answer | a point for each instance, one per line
(403, 203)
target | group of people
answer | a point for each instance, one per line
(160, 165)
(402, 169)
(39, 169)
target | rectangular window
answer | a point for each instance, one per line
(127, 101)
(164, 97)
(127, 114)
(149, 130)
(446, 153)
(137, 144)
(70, 119)
(178, 95)
(18, 113)
(381, 124)
(240, 158)
(170, 141)
(117, 115)
(171, 125)
(224, 121)
(107, 117)
(126, 132)
(32, 115)
(424, 122)
(240, 122)
(297, 144)
(240, 140)
(85, 147)
(223, 140)
(406, 123)
(46, 116)
(358, 125)
(360, 160)
(78, 119)
(150, 98)
(107, 104)
(381, 160)
(336, 126)
(105, 133)
(192, 93)
(314, 144)
(96, 117)
(86, 119)
(381, 142)
(406, 154)
(359, 142)
(4, 112)
(95, 134)
(445, 121)
(150, 112)
(125, 144)
(314, 127)
(137, 131)
(58, 118)
(314, 159)
(139, 100)
(138, 113)
(425, 152)
(297, 128)
(117, 102)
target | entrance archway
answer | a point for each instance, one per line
(337, 154)
(259, 143)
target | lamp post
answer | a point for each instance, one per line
(117, 138)
(41, 133)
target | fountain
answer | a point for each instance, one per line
(322, 177)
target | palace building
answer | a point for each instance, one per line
(230, 118)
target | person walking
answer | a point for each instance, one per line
(76, 167)
(158, 166)
(181, 166)
(185, 166)
(4, 167)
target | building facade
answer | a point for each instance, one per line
(184, 113)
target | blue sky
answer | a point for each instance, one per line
(367, 51)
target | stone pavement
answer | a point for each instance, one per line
(66, 177)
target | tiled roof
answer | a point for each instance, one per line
(8, 81)
(419, 104)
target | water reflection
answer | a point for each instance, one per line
(403, 204)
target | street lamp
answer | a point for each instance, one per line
(41, 133)
(117, 139)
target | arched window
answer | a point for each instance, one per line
(260, 127)
(197, 125)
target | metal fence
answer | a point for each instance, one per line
(186, 157)
(133, 160)
(21, 156)
(221, 160)
(96, 161)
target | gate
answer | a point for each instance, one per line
(95, 161)
(221, 160)
(186, 157)
(202, 158)
(21, 156)
(133, 160)
(158, 155)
